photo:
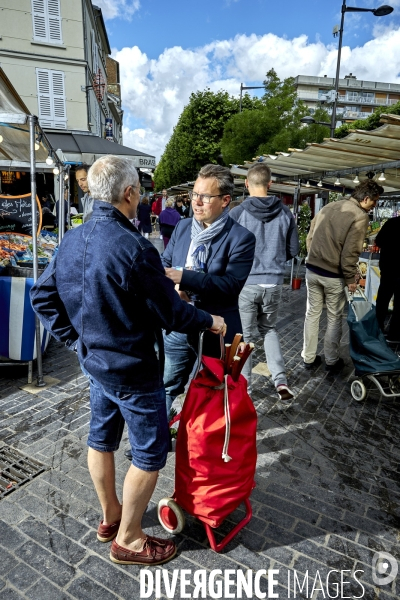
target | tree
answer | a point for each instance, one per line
(274, 126)
(369, 123)
(196, 138)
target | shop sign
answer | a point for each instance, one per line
(16, 214)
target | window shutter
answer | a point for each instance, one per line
(44, 97)
(46, 15)
(39, 20)
(54, 14)
(58, 90)
(51, 98)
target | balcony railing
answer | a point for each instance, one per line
(315, 97)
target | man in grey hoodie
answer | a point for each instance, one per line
(276, 242)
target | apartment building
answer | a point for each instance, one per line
(56, 55)
(357, 99)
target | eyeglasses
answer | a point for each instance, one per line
(205, 198)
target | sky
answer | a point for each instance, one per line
(169, 49)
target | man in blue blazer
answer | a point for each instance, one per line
(209, 258)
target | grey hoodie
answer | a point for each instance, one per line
(276, 237)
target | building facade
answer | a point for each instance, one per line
(357, 99)
(56, 55)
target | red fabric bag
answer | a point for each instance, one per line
(216, 445)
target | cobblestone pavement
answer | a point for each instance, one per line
(327, 495)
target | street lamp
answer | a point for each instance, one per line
(248, 87)
(382, 11)
(311, 121)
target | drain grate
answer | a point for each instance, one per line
(16, 469)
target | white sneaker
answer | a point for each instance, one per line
(284, 392)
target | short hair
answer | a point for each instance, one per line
(259, 174)
(144, 200)
(169, 203)
(109, 177)
(222, 176)
(82, 167)
(367, 188)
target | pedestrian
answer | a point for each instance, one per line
(181, 208)
(387, 241)
(81, 175)
(277, 241)
(168, 219)
(209, 257)
(118, 280)
(143, 216)
(334, 244)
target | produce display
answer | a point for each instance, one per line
(76, 220)
(16, 250)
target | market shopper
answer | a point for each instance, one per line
(168, 219)
(118, 280)
(143, 216)
(181, 208)
(277, 241)
(388, 242)
(81, 175)
(334, 244)
(209, 257)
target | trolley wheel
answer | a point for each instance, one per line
(358, 390)
(171, 515)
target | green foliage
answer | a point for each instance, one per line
(196, 139)
(273, 126)
(303, 225)
(369, 123)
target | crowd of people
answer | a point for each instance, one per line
(133, 317)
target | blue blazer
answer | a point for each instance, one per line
(228, 265)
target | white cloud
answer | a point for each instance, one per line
(118, 8)
(155, 91)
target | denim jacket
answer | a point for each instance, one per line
(106, 294)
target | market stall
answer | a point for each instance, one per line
(22, 251)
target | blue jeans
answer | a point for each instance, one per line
(258, 308)
(180, 358)
(146, 419)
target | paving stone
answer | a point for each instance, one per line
(53, 540)
(44, 590)
(112, 577)
(86, 589)
(22, 576)
(69, 526)
(46, 563)
(10, 594)
(9, 537)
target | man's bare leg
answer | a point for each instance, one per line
(102, 471)
(138, 489)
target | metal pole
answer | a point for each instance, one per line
(241, 90)
(334, 107)
(295, 207)
(62, 202)
(32, 129)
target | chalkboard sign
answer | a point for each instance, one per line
(16, 214)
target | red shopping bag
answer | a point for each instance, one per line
(216, 445)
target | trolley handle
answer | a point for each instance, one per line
(350, 295)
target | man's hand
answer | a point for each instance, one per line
(218, 326)
(352, 287)
(173, 274)
(184, 296)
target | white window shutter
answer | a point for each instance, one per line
(51, 98)
(44, 96)
(58, 92)
(54, 15)
(39, 20)
(46, 15)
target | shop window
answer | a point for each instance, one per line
(46, 16)
(51, 98)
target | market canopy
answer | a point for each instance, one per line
(81, 148)
(14, 129)
(359, 152)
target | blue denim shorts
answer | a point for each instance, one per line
(145, 415)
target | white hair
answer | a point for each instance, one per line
(109, 177)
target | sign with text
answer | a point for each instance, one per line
(16, 214)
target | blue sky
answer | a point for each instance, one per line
(167, 49)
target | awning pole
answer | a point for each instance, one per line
(61, 211)
(32, 130)
(295, 206)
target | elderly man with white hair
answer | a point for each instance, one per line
(111, 309)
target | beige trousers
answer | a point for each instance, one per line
(331, 291)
